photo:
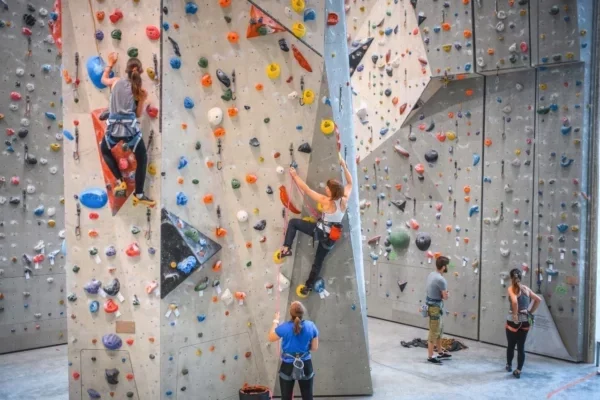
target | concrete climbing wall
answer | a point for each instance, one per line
(222, 207)
(426, 180)
(508, 189)
(32, 277)
(559, 264)
(105, 250)
(387, 74)
(447, 31)
(502, 36)
(554, 31)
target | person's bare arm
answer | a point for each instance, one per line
(314, 344)
(444, 295)
(348, 187)
(318, 197)
(273, 337)
(106, 79)
(536, 300)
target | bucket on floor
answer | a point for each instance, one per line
(255, 393)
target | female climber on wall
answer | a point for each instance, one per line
(298, 338)
(519, 320)
(127, 99)
(327, 229)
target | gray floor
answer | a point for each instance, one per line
(398, 373)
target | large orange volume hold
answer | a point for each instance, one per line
(300, 58)
(285, 200)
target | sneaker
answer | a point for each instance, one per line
(434, 360)
(120, 190)
(508, 368)
(444, 355)
(145, 200)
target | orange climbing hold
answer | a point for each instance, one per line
(259, 87)
(467, 199)
(129, 376)
(469, 92)
(446, 26)
(467, 34)
(467, 189)
(395, 101)
(488, 142)
(419, 169)
(233, 37)
(450, 115)
(210, 163)
(248, 245)
(398, 186)
(232, 112)
(414, 225)
(448, 228)
(491, 51)
(251, 178)
(208, 199)
(100, 16)
(224, 3)
(217, 266)
(219, 132)
(206, 80)
(220, 232)
(300, 58)
(285, 200)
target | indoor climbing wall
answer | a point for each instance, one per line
(558, 262)
(389, 71)
(112, 247)
(243, 99)
(502, 35)
(554, 31)
(446, 29)
(420, 198)
(508, 190)
(32, 278)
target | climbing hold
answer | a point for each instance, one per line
(431, 156)
(299, 30)
(188, 103)
(273, 71)
(419, 169)
(301, 59)
(206, 80)
(191, 8)
(399, 239)
(305, 148)
(476, 159)
(93, 198)
(310, 14)
(285, 200)
(111, 376)
(93, 394)
(242, 216)
(92, 287)
(116, 34)
(94, 306)
(110, 306)
(219, 132)
(112, 342)
(298, 5)
(116, 16)
(223, 78)
(113, 287)
(332, 19)
(95, 68)
(327, 126)
(423, 241)
(251, 178)
(152, 32)
(133, 52)
(233, 37)
(401, 150)
(260, 225)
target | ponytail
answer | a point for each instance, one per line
(297, 313)
(134, 72)
(297, 326)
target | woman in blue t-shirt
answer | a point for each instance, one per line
(298, 339)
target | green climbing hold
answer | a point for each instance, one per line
(195, 181)
(227, 95)
(262, 31)
(202, 285)
(203, 62)
(235, 183)
(116, 34)
(76, 268)
(133, 52)
(198, 145)
(249, 264)
(192, 234)
(400, 239)
(267, 120)
(135, 230)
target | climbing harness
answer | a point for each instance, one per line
(78, 224)
(219, 150)
(298, 369)
(76, 152)
(131, 124)
(148, 233)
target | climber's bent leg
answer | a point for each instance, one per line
(141, 158)
(317, 265)
(295, 225)
(109, 159)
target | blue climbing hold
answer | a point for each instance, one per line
(95, 68)
(388, 31)
(175, 62)
(182, 199)
(94, 306)
(188, 103)
(487, 179)
(310, 14)
(191, 8)
(182, 162)
(169, 392)
(54, 16)
(63, 247)
(565, 130)
(112, 341)
(468, 67)
(473, 210)
(562, 228)
(383, 131)
(46, 68)
(388, 223)
(319, 285)
(554, 107)
(50, 115)
(373, 256)
(437, 29)
(201, 317)
(94, 198)
(165, 26)
(39, 211)
(476, 159)
(68, 135)
(566, 162)
(187, 266)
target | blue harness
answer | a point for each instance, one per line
(131, 125)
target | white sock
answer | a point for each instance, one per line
(139, 195)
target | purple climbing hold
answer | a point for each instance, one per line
(112, 341)
(99, 35)
(93, 394)
(92, 286)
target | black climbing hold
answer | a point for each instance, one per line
(165, 10)
(254, 142)
(423, 241)
(227, 19)
(112, 376)
(402, 286)
(113, 287)
(413, 3)
(401, 205)
(29, 19)
(554, 10)
(389, 71)
(185, 371)
(431, 156)
(388, 92)
(152, 356)
(15, 201)
(305, 148)
(260, 225)
(198, 145)
(93, 394)
(23, 132)
(175, 46)
(422, 19)
(374, 58)
(31, 160)
(246, 108)
(129, 394)
(223, 78)
(94, 359)
(269, 190)
(283, 45)
(183, 388)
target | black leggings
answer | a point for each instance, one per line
(141, 158)
(287, 387)
(295, 225)
(517, 338)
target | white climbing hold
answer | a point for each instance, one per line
(517, 222)
(215, 116)
(362, 112)
(293, 95)
(508, 189)
(227, 297)
(516, 162)
(396, 62)
(43, 12)
(480, 62)
(43, 161)
(507, 109)
(13, 107)
(30, 189)
(53, 170)
(24, 121)
(242, 216)
(519, 87)
(280, 170)
(504, 252)
(513, 48)
(51, 211)
(20, 72)
(59, 136)
(288, 12)
(61, 234)
(2, 200)
(30, 87)
(50, 280)
(501, 14)
(500, 27)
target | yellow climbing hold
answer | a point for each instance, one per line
(327, 126)
(543, 86)
(298, 5)
(299, 293)
(277, 259)
(151, 73)
(518, 152)
(450, 135)
(198, 352)
(308, 97)
(152, 169)
(273, 71)
(51, 223)
(255, 211)
(299, 29)
(173, 264)
(55, 147)
(447, 48)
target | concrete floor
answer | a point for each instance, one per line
(398, 373)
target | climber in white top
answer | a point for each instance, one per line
(328, 229)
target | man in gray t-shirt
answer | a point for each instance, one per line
(437, 292)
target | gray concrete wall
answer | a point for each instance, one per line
(223, 345)
(555, 37)
(32, 305)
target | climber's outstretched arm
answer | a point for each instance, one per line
(348, 187)
(318, 197)
(106, 79)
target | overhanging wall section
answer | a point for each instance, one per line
(104, 250)
(32, 278)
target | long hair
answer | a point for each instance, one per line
(336, 189)
(134, 71)
(297, 313)
(515, 276)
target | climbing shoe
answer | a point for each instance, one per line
(444, 355)
(517, 374)
(305, 290)
(434, 360)
(145, 200)
(120, 190)
(508, 368)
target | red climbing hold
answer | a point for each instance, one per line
(332, 19)
(129, 341)
(129, 376)
(15, 96)
(94, 215)
(423, 61)
(419, 169)
(116, 16)
(26, 31)
(440, 137)
(285, 200)
(110, 306)
(261, 24)
(152, 111)
(133, 250)
(76, 375)
(403, 108)
(152, 32)
(300, 58)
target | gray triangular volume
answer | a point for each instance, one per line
(180, 240)
(357, 54)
